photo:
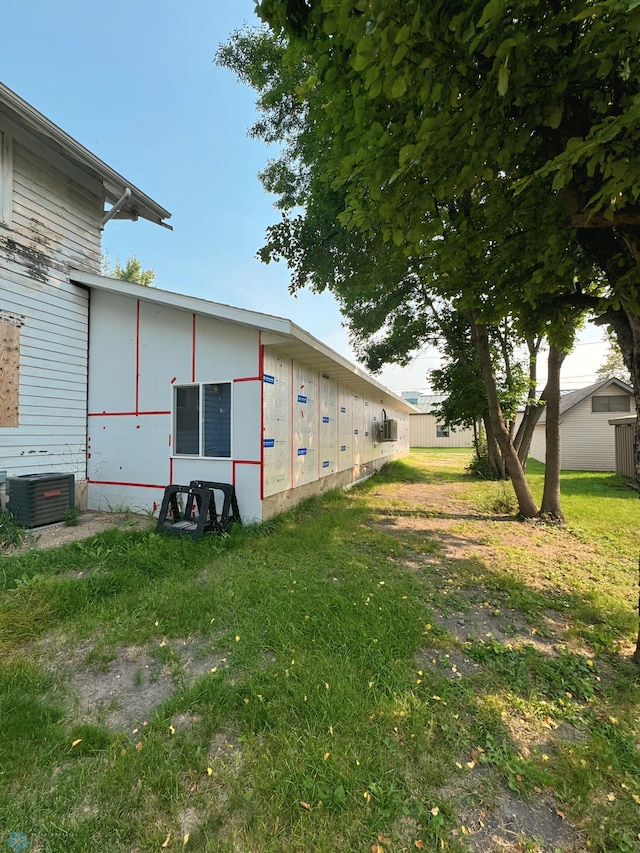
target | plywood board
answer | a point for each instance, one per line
(9, 374)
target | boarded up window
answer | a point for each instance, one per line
(9, 371)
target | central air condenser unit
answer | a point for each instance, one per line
(37, 499)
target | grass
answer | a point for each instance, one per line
(317, 707)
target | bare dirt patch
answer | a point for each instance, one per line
(89, 524)
(125, 690)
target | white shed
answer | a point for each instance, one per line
(587, 440)
(185, 389)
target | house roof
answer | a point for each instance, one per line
(570, 400)
(138, 204)
(277, 332)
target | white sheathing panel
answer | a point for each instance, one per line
(164, 352)
(139, 351)
(359, 444)
(247, 480)
(225, 351)
(368, 442)
(51, 431)
(276, 436)
(112, 354)
(129, 449)
(328, 426)
(186, 469)
(246, 401)
(345, 429)
(305, 425)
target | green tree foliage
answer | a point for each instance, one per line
(424, 105)
(475, 251)
(613, 364)
(132, 271)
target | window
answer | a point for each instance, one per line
(614, 403)
(203, 420)
(6, 178)
(442, 431)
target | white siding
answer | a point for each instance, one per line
(51, 431)
(587, 440)
(423, 433)
(51, 220)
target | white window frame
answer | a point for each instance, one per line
(201, 386)
(6, 178)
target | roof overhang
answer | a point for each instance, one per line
(137, 205)
(277, 334)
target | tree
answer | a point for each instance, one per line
(423, 102)
(613, 364)
(132, 271)
(475, 250)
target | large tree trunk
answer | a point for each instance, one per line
(551, 494)
(496, 463)
(526, 504)
(533, 409)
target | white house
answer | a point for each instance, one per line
(53, 194)
(587, 440)
(132, 388)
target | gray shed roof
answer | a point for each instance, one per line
(568, 401)
(22, 114)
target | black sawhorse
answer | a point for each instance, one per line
(198, 514)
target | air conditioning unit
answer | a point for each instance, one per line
(388, 430)
(37, 499)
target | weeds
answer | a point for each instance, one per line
(11, 533)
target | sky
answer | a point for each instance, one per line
(135, 82)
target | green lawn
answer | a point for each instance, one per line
(311, 684)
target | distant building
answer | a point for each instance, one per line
(425, 428)
(587, 441)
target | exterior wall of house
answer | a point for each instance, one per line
(49, 220)
(318, 433)
(423, 433)
(293, 432)
(587, 440)
(139, 353)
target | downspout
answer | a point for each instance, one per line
(116, 208)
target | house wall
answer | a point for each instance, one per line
(587, 441)
(318, 434)
(138, 352)
(423, 433)
(294, 432)
(49, 220)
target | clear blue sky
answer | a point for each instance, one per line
(135, 82)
